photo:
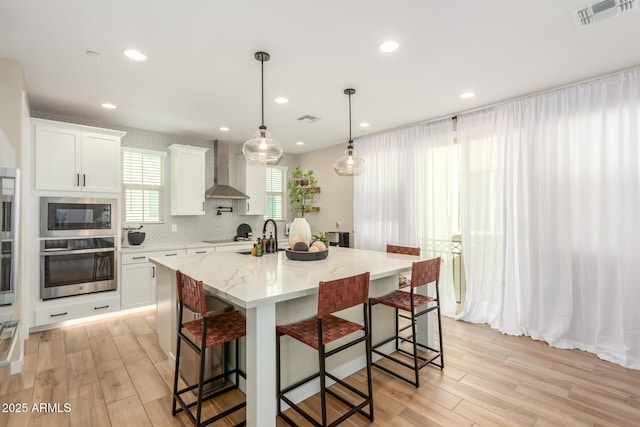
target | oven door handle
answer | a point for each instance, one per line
(76, 251)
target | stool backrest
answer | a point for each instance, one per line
(339, 294)
(191, 293)
(406, 250)
(423, 272)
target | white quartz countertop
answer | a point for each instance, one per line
(249, 281)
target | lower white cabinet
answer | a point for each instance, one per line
(205, 250)
(138, 286)
(71, 308)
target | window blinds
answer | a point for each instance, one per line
(143, 185)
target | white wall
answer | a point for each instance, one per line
(11, 87)
(336, 192)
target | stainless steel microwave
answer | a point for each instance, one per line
(77, 217)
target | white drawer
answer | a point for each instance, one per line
(61, 310)
(205, 250)
(138, 257)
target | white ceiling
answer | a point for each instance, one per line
(201, 73)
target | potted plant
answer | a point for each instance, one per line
(302, 193)
(302, 190)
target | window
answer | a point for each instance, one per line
(276, 187)
(143, 185)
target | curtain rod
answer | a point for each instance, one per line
(505, 101)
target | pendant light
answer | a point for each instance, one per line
(262, 148)
(350, 164)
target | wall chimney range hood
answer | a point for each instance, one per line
(221, 188)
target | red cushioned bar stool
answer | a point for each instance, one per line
(317, 332)
(423, 273)
(208, 332)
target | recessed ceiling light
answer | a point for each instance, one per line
(108, 106)
(300, 143)
(282, 100)
(467, 95)
(93, 54)
(389, 46)
(364, 125)
(135, 55)
(224, 129)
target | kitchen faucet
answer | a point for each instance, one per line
(275, 230)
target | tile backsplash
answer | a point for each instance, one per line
(189, 228)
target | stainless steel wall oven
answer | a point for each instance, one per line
(77, 266)
(8, 234)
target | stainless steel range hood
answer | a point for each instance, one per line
(221, 188)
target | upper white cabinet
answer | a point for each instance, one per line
(253, 182)
(76, 158)
(187, 179)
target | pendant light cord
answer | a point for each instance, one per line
(350, 138)
(262, 86)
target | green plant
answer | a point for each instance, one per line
(302, 190)
(322, 236)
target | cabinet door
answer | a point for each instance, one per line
(138, 285)
(100, 163)
(187, 180)
(58, 157)
(253, 182)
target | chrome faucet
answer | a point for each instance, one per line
(275, 231)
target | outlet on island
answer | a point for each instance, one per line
(174, 227)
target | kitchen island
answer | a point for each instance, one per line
(272, 290)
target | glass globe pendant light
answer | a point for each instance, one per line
(350, 164)
(262, 148)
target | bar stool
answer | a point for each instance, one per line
(403, 281)
(405, 250)
(208, 332)
(317, 332)
(422, 273)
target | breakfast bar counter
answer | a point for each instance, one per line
(270, 290)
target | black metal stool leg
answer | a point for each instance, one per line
(323, 397)
(415, 348)
(175, 378)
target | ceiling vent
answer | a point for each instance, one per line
(308, 119)
(597, 12)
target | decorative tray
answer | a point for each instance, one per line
(306, 256)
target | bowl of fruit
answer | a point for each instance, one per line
(303, 250)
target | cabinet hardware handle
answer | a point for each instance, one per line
(102, 307)
(202, 206)
(153, 274)
(59, 314)
(248, 207)
(139, 257)
(171, 254)
(84, 180)
(201, 252)
(77, 180)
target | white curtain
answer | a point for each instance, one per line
(406, 195)
(550, 205)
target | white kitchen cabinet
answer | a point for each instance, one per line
(76, 158)
(62, 309)
(252, 182)
(187, 179)
(138, 285)
(205, 250)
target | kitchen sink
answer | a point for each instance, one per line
(249, 252)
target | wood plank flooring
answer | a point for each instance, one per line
(113, 373)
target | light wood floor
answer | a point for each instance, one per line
(113, 373)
